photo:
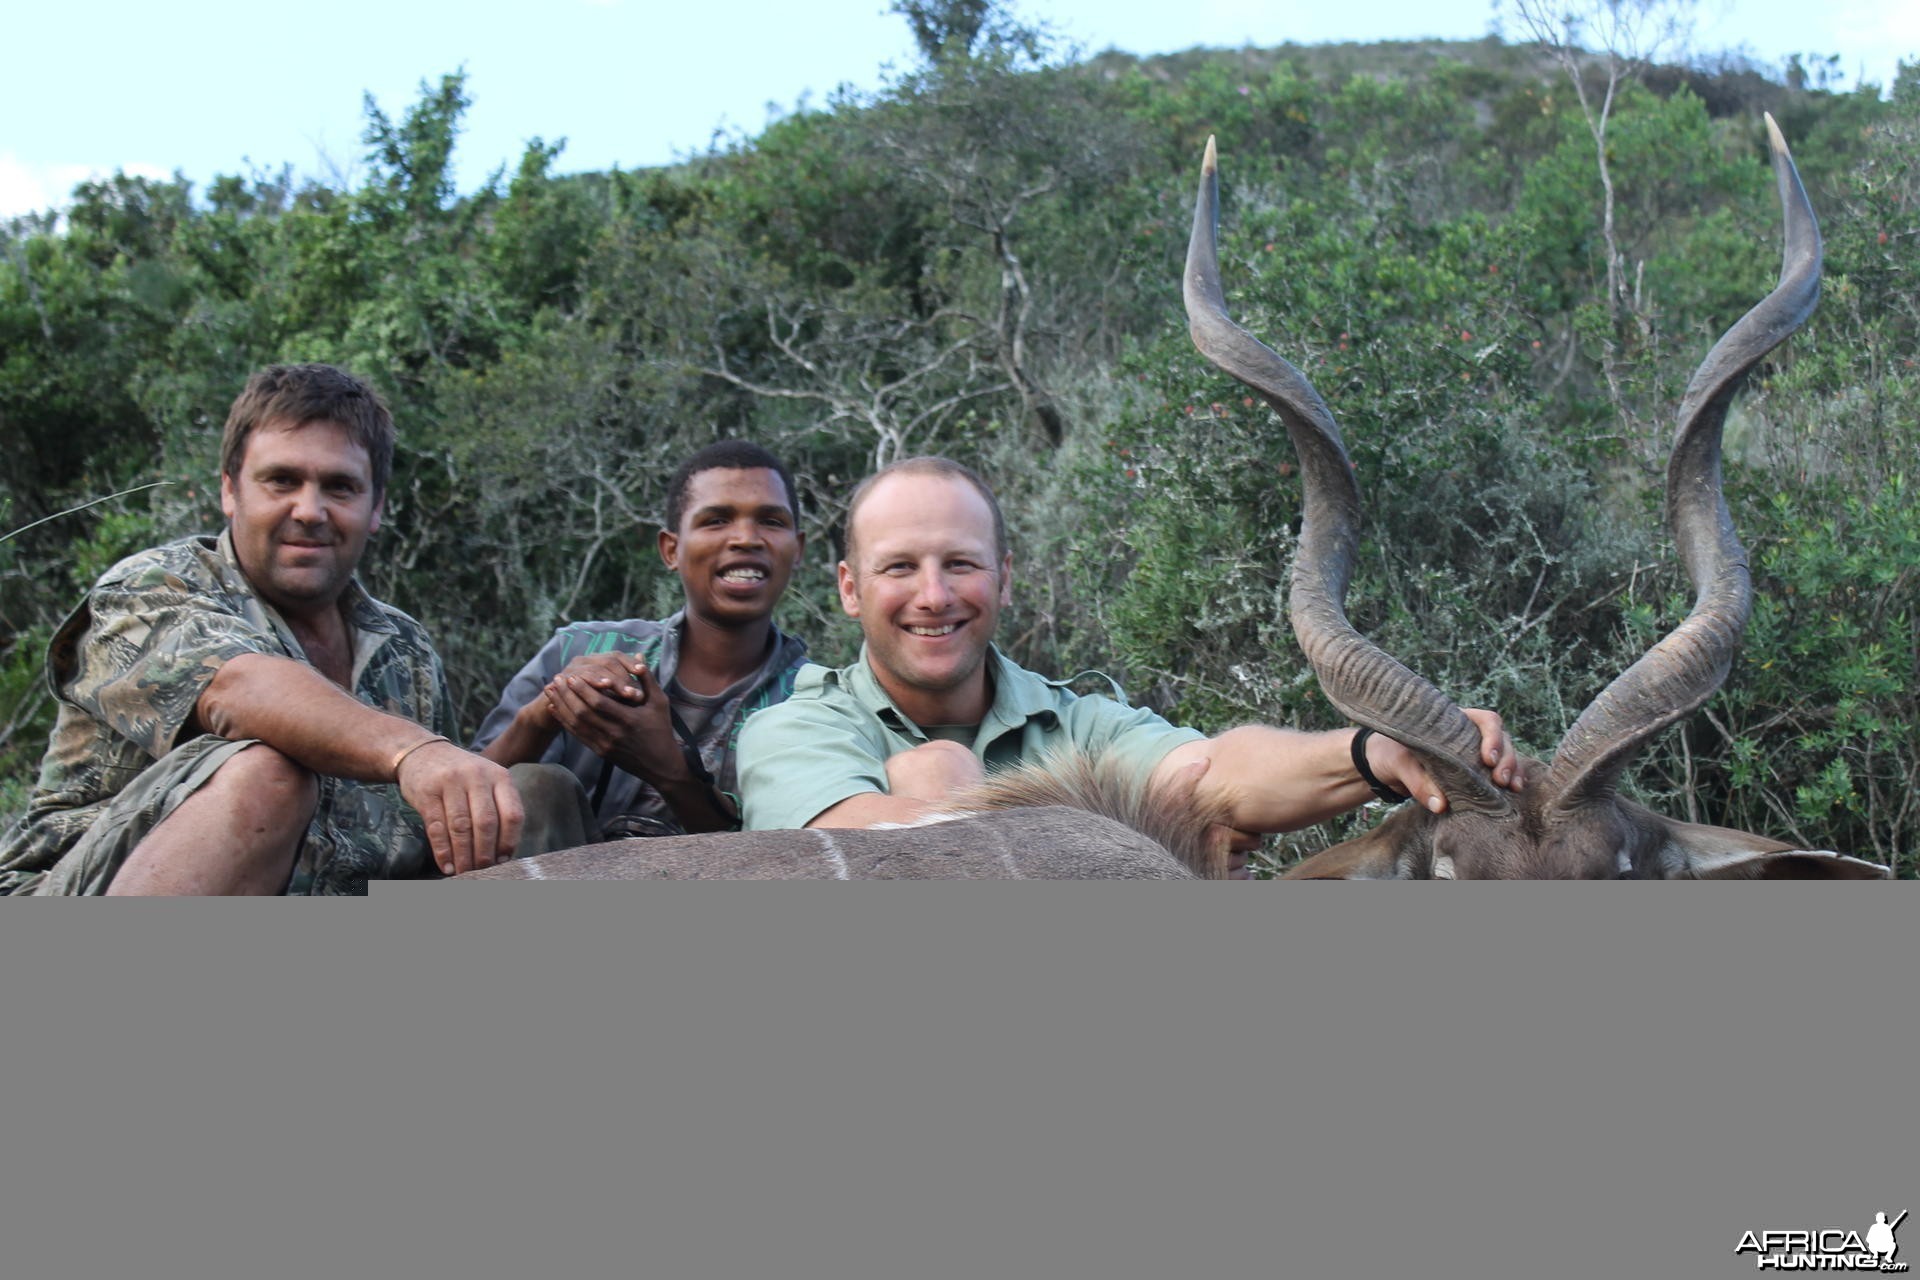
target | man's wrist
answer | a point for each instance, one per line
(679, 782)
(536, 717)
(405, 753)
(1358, 750)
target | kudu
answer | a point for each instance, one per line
(1059, 822)
(1068, 819)
(1570, 822)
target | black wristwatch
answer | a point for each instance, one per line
(1387, 794)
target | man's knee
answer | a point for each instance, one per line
(237, 832)
(558, 815)
(263, 778)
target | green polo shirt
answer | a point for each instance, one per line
(831, 739)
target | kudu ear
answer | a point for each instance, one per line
(1695, 852)
(1343, 862)
(1794, 864)
(1388, 852)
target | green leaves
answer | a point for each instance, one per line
(983, 259)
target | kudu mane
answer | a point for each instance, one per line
(1165, 814)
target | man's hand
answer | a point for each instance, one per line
(1236, 845)
(933, 771)
(1400, 769)
(470, 806)
(920, 780)
(1180, 786)
(612, 703)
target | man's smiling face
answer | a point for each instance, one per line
(927, 586)
(736, 545)
(301, 509)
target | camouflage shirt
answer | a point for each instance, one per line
(129, 666)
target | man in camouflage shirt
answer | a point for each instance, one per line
(647, 714)
(237, 715)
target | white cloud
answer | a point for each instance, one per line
(29, 188)
(22, 190)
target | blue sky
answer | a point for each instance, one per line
(218, 86)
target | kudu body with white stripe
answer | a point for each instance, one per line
(1066, 819)
(1570, 822)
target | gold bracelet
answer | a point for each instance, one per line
(407, 751)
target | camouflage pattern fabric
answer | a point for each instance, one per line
(129, 666)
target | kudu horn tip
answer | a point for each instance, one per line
(1774, 136)
(1210, 162)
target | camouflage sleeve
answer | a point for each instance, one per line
(150, 646)
(443, 722)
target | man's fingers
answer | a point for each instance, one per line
(513, 814)
(1496, 749)
(1421, 787)
(564, 696)
(1235, 844)
(649, 687)
(459, 831)
(484, 805)
(618, 675)
(433, 817)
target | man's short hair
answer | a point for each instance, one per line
(297, 394)
(929, 465)
(724, 455)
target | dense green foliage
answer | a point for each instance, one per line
(983, 260)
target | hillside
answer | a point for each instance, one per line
(983, 260)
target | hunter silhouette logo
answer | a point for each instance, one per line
(1830, 1250)
(1880, 1236)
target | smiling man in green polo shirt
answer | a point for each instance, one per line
(931, 705)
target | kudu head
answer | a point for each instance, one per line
(1570, 822)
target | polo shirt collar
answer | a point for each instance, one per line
(1019, 696)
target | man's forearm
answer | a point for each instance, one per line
(525, 739)
(299, 712)
(1270, 779)
(697, 804)
(871, 808)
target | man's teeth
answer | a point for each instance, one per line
(744, 575)
(949, 629)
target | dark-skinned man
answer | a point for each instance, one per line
(647, 714)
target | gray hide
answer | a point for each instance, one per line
(1053, 843)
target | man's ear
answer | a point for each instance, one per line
(849, 590)
(669, 544)
(379, 510)
(226, 495)
(1006, 581)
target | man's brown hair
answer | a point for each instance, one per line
(296, 394)
(929, 465)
